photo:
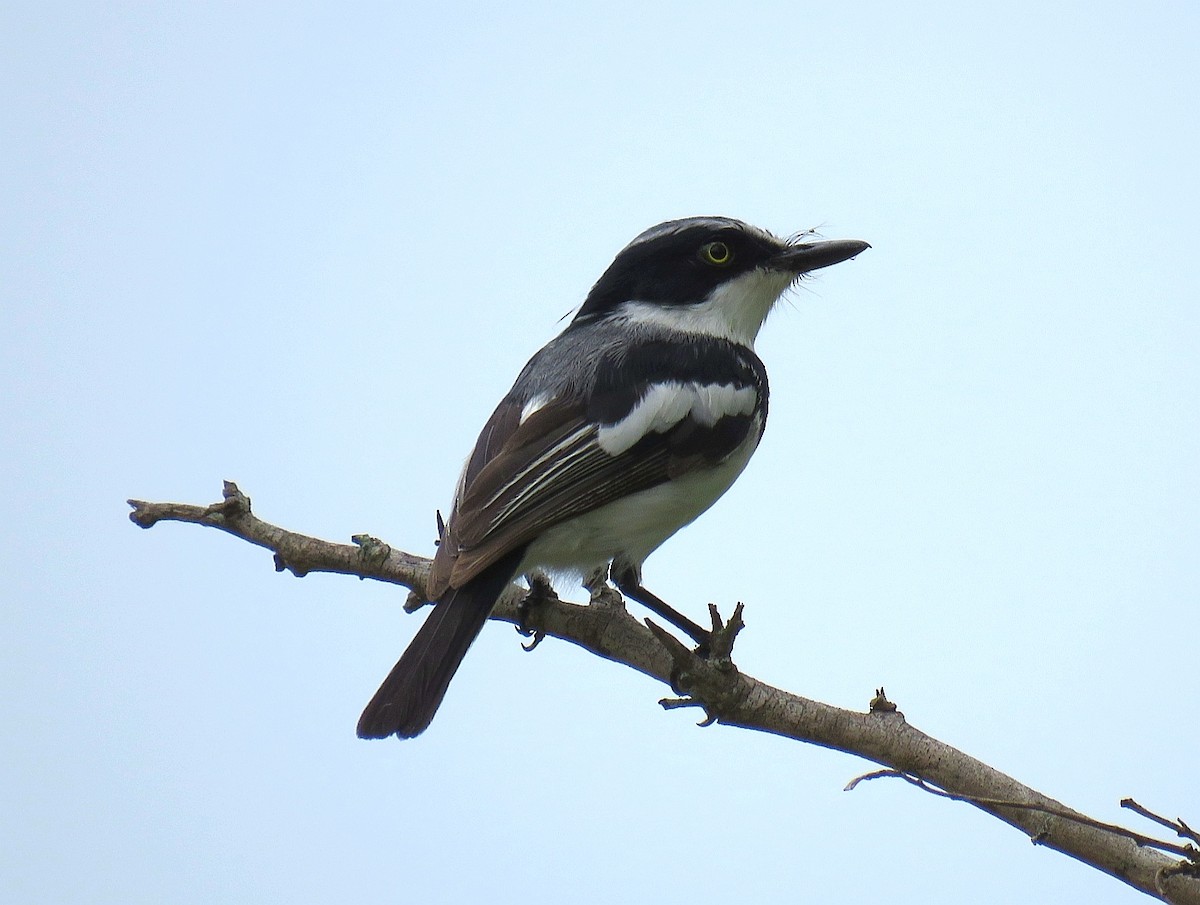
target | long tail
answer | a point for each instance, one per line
(405, 703)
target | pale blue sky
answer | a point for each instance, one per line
(307, 247)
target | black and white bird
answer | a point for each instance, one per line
(619, 432)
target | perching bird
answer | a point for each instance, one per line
(620, 431)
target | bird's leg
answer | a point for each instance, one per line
(629, 583)
(540, 590)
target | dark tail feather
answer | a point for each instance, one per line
(405, 703)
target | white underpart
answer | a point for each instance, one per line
(635, 526)
(666, 404)
(735, 310)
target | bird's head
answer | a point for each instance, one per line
(711, 275)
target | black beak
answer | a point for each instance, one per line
(808, 256)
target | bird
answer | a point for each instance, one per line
(617, 433)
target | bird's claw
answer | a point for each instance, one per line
(702, 677)
(539, 592)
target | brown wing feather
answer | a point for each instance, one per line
(527, 477)
(499, 429)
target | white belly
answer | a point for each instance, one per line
(635, 526)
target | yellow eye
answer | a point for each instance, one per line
(716, 253)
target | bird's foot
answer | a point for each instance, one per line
(716, 644)
(601, 592)
(540, 591)
(703, 677)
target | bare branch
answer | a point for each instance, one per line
(732, 698)
(296, 553)
(1181, 829)
(1184, 851)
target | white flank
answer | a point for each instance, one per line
(666, 404)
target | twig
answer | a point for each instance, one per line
(1184, 851)
(1181, 829)
(295, 553)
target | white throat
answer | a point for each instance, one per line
(735, 310)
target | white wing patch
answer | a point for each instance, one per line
(534, 403)
(559, 456)
(666, 404)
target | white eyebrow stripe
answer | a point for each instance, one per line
(666, 404)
